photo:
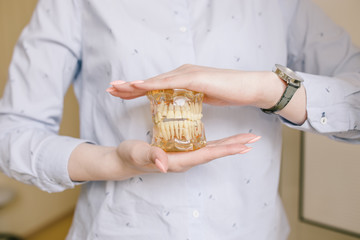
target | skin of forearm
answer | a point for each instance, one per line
(90, 162)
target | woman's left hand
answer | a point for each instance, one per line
(220, 86)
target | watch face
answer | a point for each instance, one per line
(289, 74)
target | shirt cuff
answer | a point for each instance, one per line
(328, 111)
(52, 163)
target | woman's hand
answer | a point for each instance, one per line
(221, 87)
(132, 157)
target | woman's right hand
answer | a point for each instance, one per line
(132, 157)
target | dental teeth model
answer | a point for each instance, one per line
(177, 122)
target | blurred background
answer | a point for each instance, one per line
(320, 180)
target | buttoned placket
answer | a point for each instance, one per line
(182, 18)
(194, 187)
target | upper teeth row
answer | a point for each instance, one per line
(189, 111)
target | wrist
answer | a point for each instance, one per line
(269, 89)
(90, 162)
(116, 168)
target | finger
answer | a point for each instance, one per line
(177, 78)
(183, 161)
(242, 138)
(127, 96)
(139, 157)
(219, 151)
(124, 86)
(158, 157)
(125, 91)
(168, 81)
(160, 166)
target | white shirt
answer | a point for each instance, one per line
(89, 43)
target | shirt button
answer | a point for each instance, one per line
(323, 120)
(196, 214)
(183, 29)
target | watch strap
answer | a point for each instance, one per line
(284, 100)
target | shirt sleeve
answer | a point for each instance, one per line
(46, 60)
(325, 57)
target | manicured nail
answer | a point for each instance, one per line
(245, 151)
(117, 82)
(111, 89)
(160, 166)
(254, 139)
(135, 82)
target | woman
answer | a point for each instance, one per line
(126, 193)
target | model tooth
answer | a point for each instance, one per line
(199, 110)
(162, 131)
(198, 127)
(178, 112)
(192, 108)
(164, 111)
(186, 130)
(185, 111)
(171, 113)
(190, 114)
(172, 129)
(177, 115)
(160, 107)
(160, 111)
(176, 129)
(158, 117)
(193, 112)
(181, 128)
(195, 128)
(167, 129)
(191, 125)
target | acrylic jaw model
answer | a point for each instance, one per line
(176, 115)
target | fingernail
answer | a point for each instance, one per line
(135, 82)
(160, 166)
(110, 90)
(245, 151)
(254, 139)
(117, 82)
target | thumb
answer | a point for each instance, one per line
(159, 158)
